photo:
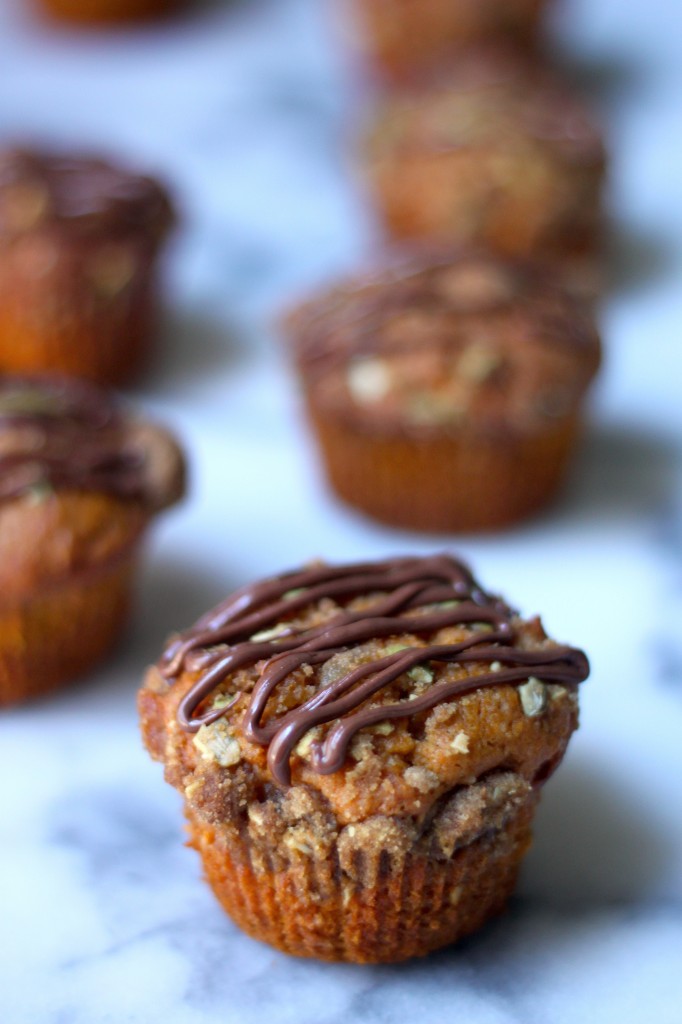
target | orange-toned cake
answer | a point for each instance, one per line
(80, 240)
(110, 12)
(494, 151)
(80, 482)
(361, 750)
(406, 37)
(446, 393)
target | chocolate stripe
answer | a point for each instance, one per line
(414, 596)
(65, 434)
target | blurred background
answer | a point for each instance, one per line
(249, 109)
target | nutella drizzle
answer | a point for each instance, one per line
(84, 193)
(65, 434)
(413, 595)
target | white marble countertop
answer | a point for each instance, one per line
(103, 915)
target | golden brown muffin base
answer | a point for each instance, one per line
(446, 483)
(405, 35)
(109, 11)
(515, 205)
(65, 535)
(63, 631)
(58, 326)
(390, 906)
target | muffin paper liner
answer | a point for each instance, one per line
(447, 482)
(369, 906)
(109, 10)
(455, 198)
(61, 324)
(60, 633)
(403, 36)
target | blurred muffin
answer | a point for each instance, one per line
(361, 750)
(404, 37)
(445, 394)
(79, 485)
(496, 153)
(79, 246)
(110, 11)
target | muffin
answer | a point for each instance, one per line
(446, 395)
(110, 11)
(404, 37)
(497, 152)
(361, 750)
(79, 245)
(80, 482)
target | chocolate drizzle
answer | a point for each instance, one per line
(415, 596)
(85, 193)
(65, 434)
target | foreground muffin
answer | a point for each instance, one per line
(79, 246)
(495, 152)
(408, 36)
(79, 484)
(446, 394)
(361, 749)
(110, 11)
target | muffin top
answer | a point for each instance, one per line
(79, 479)
(57, 433)
(79, 195)
(442, 341)
(488, 100)
(380, 685)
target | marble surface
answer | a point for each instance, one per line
(103, 916)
